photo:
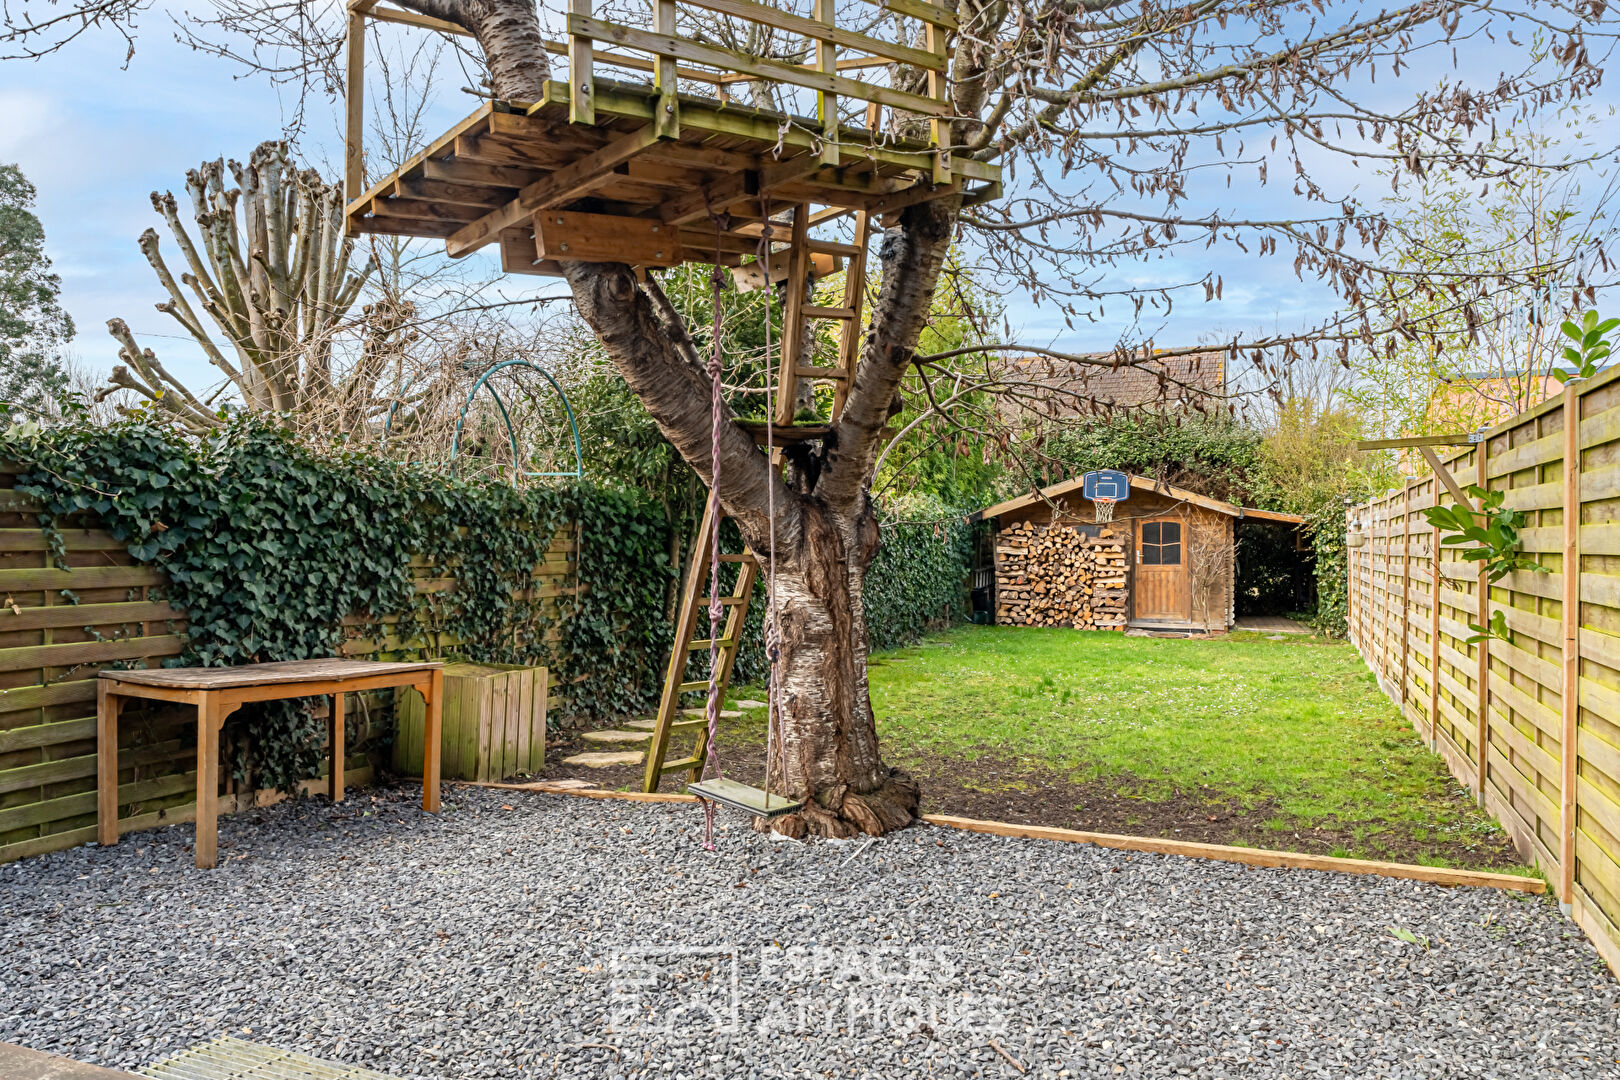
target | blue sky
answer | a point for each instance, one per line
(97, 137)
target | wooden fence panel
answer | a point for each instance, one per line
(1531, 725)
(60, 627)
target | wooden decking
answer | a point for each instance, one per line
(622, 191)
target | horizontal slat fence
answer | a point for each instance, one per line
(1531, 726)
(60, 627)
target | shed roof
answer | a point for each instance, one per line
(1140, 483)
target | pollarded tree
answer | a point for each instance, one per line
(1114, 116)
(268, 288)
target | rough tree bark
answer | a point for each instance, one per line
(826, 528)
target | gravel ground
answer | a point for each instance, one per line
(523, 935)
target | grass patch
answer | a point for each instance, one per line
(1291, 740)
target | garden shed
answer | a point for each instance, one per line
(1167, 560)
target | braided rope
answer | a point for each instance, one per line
(711, 759)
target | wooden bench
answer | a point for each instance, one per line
(218, 692)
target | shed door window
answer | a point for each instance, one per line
(1161, 543)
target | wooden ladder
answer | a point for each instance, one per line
(694, 610)
(694, 604)
(793, 366)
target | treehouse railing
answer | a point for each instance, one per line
(660, 50)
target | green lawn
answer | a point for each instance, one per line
(1241, 739)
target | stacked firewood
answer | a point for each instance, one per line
(1056, 575)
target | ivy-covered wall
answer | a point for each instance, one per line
(271, 546)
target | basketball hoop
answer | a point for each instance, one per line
(1104, 488)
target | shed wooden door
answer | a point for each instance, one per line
(1160, 590)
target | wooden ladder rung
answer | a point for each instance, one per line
(813, 372)
(727, 601)
(685, 763)
(703, 643)
(696, 684)
(815, 311)
(744, 557)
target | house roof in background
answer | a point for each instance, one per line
(1139, 483)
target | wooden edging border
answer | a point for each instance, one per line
(1263, 857)
(1293, 860)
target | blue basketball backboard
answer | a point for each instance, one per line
(1107, 484)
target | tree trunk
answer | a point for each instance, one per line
(827, 747)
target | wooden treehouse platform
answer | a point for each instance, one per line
(607, 170)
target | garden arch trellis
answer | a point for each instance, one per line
(506, 417)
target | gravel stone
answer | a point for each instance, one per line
(522, 934)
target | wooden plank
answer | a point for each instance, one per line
(1405, 441)
(84, 803)
(170, 816)
(354, 108)
(566, 184)
(431, 212)
(698, 204)
(477, 174)
(480, 695)
(539, 717)
(71, 540)
(482, 196)
(1570, 651)
(1251, 856)
(81, 766)
(774, 71)
(279, 673)
(397, 226)
(25, 698)
(581, 68)
(821, 30)
(521, 711)
(667, 118)
(33, 579)
(739, 796)
(88, 615)
(1527, 455)
(1482, 592)
(920, 9)
(568, 234)
(76, 653)
(52, 734)
(493, 726)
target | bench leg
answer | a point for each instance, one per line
(434, 693)
(107, 704)
(208, 721)
(337, 747)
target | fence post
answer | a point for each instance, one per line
(1569, 807)
(1350, 588)
(354, 106)
(668, 121)
(581, 70)
(1482, 680)
(1434, 627)
(826, 101)
(1406, 581)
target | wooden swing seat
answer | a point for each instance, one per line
(742, 797)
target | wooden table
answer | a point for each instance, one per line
(218, 692)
